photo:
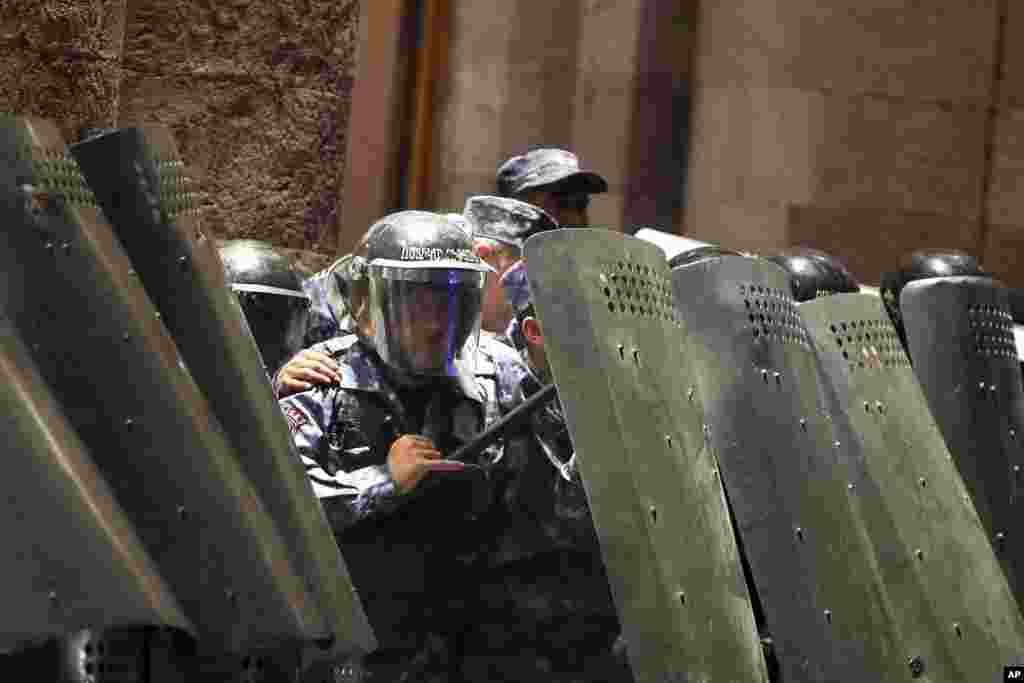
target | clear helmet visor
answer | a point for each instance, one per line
(426, 321)
(278, 321)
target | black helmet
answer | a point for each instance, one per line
(682, 251)
(814, 273)
(425, 285)
(272, 298)
(919, 265)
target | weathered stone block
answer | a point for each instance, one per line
(922, 50)
(763, 145)
(872, 241)
(266, 159)
(1004, 253)
(1005, 196)
(306, 44)
(60, 60)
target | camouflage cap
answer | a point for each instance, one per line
(506, 220)
(541, 168)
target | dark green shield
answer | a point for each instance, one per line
(612, 337)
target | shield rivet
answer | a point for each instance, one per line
(636, 356)
(959, 632)
(1000, 540)
(129, 423)
(851, 486)
(867, 407)
(668, 441)
(682, 598)
(923, 482)
(764, 376)
(654, 514)
(828, 616)
(52, 596)
(880, 407)
(231, 595)
(689, 394)
(183, 261)
(182, 513)
(803, 424)
(1013, 434)
(919, 554)
(800, 533)
(916, 665)
(1016, 469)
(836, 444)
(622, 352)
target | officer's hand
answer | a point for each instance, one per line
(409, 460)
(303, 370)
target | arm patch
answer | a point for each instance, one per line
(296, 418)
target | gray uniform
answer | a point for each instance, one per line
(412, 557)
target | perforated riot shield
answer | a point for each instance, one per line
(72, 559)
(605, 303)
(102, 348)
(787, 483)
(960, 334)
(139, 181)
(942, 584)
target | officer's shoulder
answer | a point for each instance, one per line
(494, 349)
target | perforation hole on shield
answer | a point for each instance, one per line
(636, 290)
(57, 173)
(176, 196)
(773, 316)
(869, 344)
(992, 331)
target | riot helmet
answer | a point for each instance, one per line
(682, 251)
(814, 273)
(271, 295)
(416, 292)
(918, 265)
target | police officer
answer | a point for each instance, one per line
(500, 227)
(329, 318)
(328, 292)
(545, 611)
(552, 180)
(374, 443)
(814, 273)
(919, 265)
(271, 295)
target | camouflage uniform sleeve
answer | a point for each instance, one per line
(348, 496)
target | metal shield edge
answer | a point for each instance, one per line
(182, 272)
(90, 325)
(84, 566)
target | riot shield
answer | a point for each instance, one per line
(605, 303)
(765, 402)
(945, 591)
(139, 181)
(72, 557)
(101, 346)
(960, 337)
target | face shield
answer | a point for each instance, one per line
(426, 319)
(278, 320)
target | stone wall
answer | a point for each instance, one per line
(61, 60)
(865, 129)
(257, 93)
(599, 78)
